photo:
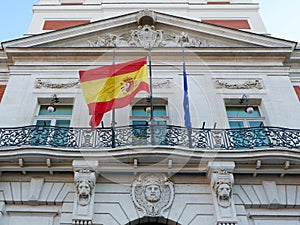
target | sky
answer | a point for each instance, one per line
(281, 18)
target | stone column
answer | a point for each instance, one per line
(221, 181)
(85, 182)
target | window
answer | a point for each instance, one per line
(53, 128)
(247, 130)
(140, 119)
(238, 118)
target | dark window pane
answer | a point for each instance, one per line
(61, 110)
(240, 112)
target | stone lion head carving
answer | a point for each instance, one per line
(222, 185)
(84, 183)
(224, 191)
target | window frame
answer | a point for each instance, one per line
(235, 103)
(157, 102)
(53, 117)
(140, 136)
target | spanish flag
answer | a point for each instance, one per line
(110, 87)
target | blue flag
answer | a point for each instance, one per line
(186, 107)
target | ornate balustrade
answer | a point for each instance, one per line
(165, 135)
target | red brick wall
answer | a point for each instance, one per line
(71, 3)
(218, 3)
(60, 24)
(236, 24)
(297, 90)
(2, 90)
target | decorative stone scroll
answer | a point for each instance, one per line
(239, 84)
(85, 181)
(152, 193)
(55, 85)
(161, 83)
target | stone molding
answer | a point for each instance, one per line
(268, 195)
(2, 212)
(36, 185)
(152, 193)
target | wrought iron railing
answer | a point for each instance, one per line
(164, 135)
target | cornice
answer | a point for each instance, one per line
(274, 51)
(157, 151)
(151, 158)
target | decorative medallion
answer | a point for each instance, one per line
(152, 193)
(147, 36)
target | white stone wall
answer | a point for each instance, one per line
(277, 96)
(46, 202)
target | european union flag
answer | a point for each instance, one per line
(186, 107)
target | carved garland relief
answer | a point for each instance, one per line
(239, 84)
(55, 85)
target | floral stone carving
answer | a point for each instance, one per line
(152, 193)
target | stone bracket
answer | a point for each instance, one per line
(85, 182)
(222, 180)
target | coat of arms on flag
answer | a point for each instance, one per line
(110, 87)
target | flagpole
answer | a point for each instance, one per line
(113, 122)
(150, 77)
(113, 119)
(187, 117)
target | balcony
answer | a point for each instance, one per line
(158, 135)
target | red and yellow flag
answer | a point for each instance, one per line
(110, 87)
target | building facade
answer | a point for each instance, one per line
(238, 164)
